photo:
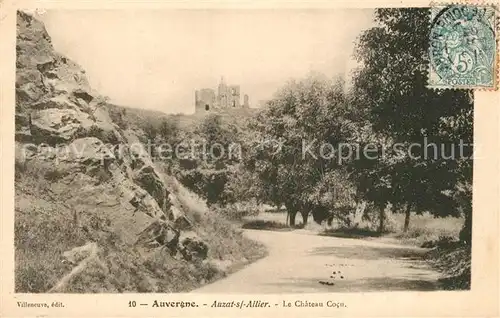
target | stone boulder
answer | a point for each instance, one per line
(149, 180)
(89, 151)
(135, 196)
(192, 247)
(145, 174)
(222, 266)
(160, 234)
(55, 126)
(103, 127)
(34, 45)
(29, 86)
(55, 102)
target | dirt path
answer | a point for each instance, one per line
(301, 261)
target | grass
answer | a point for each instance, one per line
(454, 261)
(425, 227)
(351, 233)
(39, 244)
(271, 220)
(266, 225)
(226, 242)
(447, 255)
(45, 227)
(139, 118)
(269, 216)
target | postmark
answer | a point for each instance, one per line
(462, 47)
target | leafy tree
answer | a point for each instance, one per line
(169, 130)
(289, 160)
(151, 131)
(215, 155)
(391, 90)
(243, 186)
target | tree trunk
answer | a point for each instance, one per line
(360, 211)
(305, 216)
(407, 218)
(466, 231)
(278, 205)
(292, 215)
(329, 220)
(291, 211)
(381, 220)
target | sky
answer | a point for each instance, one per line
(156, 59)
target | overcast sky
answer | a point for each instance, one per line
(156, 59)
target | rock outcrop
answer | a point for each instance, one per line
(93, 212)
(63, 123)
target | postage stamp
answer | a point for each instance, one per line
(462, 47)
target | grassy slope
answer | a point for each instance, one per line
(140, 117)
(45, 227)
(425, 228)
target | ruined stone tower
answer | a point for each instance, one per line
(227, 97)
(245, 101)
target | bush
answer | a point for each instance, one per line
(454, 261)
(428, 229)
(266, 225)
(237, 211)
(371, 221)
(441, 242)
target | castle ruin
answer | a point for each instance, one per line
(227, 97)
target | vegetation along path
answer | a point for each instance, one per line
(300, 261)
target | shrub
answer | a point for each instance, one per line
(237, 211)
(266, 225)
(454, 261)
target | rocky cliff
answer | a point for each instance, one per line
(86, 187)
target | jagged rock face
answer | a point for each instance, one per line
(56, 106)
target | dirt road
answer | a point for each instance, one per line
(301, 262)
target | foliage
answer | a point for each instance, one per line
(307, 114)
(388, 106)
(169, 131)
(151, 131)
(212, 171)
(393, 81)
(238, 210)
(455, 264)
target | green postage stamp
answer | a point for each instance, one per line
(463, 47)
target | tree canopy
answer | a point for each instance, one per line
(391, 89)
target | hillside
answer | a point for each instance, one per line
(135, 117)
(93, 213)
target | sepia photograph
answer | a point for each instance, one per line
(256, 151)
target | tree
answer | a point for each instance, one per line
(289, 159)
(208, 172)
(391, 89)
(150, 131)
(169, 130)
